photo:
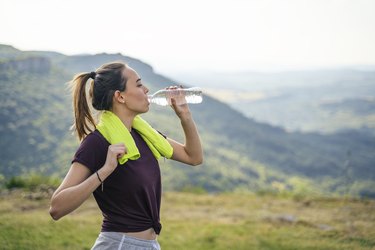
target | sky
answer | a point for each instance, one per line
(198, 35)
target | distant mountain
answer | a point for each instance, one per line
(360, 106)
(240, 153)
(324, 101)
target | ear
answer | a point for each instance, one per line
(119, 97)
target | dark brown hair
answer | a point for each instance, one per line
(105, 81)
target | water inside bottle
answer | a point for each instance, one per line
(160, 100)
(192, 97)
(182, 96)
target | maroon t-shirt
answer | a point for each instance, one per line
(131, 198)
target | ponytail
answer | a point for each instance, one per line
(108, 78)
(83, 120)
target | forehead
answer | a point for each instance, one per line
(131, 74)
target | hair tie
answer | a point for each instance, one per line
(92, 75)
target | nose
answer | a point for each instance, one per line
(145, 89)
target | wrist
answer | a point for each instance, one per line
(105, 171)
(100, 180)
(185, 116)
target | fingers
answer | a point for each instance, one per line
(175, 87)
(118, 150)
(177, 104)
(173, 103)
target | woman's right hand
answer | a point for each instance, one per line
(115, 152)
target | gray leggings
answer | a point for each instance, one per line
(120, 241)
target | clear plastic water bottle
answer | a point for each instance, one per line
(163, 97)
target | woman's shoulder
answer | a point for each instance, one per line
(94, 139)
(92, 151)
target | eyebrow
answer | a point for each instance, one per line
(138, 80)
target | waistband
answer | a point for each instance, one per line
(121, 237)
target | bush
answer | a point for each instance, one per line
(32, 181)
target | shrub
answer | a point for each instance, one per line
(32, 181)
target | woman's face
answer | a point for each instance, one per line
(135, 94)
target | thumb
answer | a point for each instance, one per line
(173, 103)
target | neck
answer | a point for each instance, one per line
(125, 117)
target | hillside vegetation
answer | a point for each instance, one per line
(240, 154)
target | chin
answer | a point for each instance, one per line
(146, 109)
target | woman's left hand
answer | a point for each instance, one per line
(178, 103)
(181, 110)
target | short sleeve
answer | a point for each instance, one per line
(92, 151)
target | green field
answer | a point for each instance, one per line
(202, 221)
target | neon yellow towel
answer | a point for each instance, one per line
(112, 128)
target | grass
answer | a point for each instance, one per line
(203, 221)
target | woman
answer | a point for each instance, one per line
(117, 158)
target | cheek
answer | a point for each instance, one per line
(135, 100)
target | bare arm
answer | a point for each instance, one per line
(79, 183)
(77, 186)
(190, 152)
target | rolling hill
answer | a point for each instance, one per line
(240, 153)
